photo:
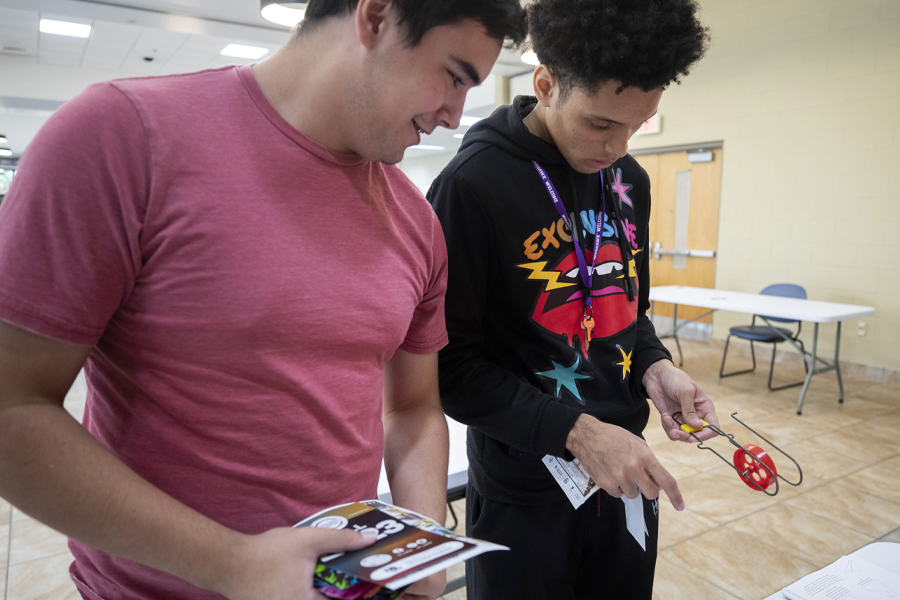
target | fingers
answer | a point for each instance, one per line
(631, 491)
(706, 408)
(686, 395)
(328, 541)
(664, 480)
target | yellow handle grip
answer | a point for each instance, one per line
(688, 429)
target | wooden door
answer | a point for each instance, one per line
(683, 193)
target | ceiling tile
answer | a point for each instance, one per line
(19, 19)
(12, 40)
(66, 18)
(115, 33)
(61, 58)
(158, 44)
(61, 44)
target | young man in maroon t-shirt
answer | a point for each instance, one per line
(255, 295)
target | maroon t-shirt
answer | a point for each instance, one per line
(242, 287)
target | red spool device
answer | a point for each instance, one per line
(751, 468)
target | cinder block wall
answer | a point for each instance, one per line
(805, 95)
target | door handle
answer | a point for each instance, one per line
(657, 251)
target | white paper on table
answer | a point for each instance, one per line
(574, 480)
(848, 578)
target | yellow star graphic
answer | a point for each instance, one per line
(626, 362)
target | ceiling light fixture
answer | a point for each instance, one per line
(64, 28)
(5, 152)
(469, 121)
(283, 13)
(239, 51)
(459, 136)
(426, 147)
(530, 58)
(3, 139)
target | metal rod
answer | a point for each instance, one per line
(794, 343)
(743, 474)
(837, 362)
(675, 335)
(791, 458)
(812, 369)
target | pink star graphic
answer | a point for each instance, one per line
(622, 189)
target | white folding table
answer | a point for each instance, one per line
(767, 306)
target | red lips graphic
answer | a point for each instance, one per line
(562, 310)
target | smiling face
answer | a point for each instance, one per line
(591, 129)
(406, 91)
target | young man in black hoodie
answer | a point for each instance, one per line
(551, 354)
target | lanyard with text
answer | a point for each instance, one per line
(586, 273)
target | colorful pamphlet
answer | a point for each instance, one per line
(572, 478)
(409, 547)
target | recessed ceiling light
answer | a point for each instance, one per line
(530, 58)
(3, 139)
(426, 147)
(5, 152)
(469, 121)
(459, 136)
(63, 28)
(239, 51)
(283, 13)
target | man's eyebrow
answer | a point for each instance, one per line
(599, 118)
(469, 68)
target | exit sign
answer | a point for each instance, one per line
(651, 125)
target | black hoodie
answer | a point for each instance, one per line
(515, 369)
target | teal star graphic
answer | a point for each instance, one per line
(566, 376)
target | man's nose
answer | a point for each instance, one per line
(451, 112)
(617, 144)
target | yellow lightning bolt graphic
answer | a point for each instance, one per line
(631, 270)
(551, 277)
(626, 362)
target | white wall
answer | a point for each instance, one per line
(805, 95)
(422, 170)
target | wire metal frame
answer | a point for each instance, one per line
(744, 474)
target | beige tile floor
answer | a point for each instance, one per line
(735, 543)
(731, 542)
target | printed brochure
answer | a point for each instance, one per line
(572, 478)
(409, 547)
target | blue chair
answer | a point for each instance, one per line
(767, 334)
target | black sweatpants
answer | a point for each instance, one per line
(558, 552)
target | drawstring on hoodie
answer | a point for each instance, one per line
(624, 250)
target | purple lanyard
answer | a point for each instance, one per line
(586, 273)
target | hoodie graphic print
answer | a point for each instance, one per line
(519, 369)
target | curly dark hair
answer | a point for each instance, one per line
(503, 19)
(646, 44)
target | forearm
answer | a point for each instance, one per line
(490, 398)
(54, 470)
(415, 458)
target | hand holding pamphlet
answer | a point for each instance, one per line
(409, 547)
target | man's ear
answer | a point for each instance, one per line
(371, 18)
(544, 83)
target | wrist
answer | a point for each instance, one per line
(227, 560)
(655, 371)
(576, 441)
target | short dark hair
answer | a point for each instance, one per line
(646, 44)
(503, 19)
